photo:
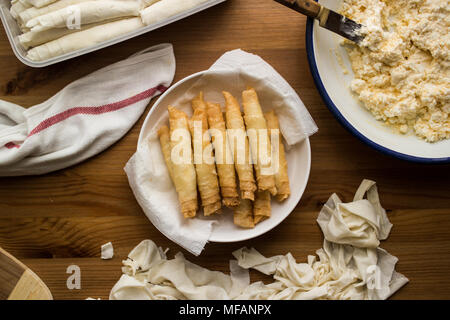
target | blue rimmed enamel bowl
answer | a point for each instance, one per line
(328, 60)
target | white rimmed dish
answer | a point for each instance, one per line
(299, 165)
(323, 51)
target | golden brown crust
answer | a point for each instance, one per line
(281, 175)
(213, 208)
(261, 153)
(230, 202)
(225, 169)
(198, 102)
(164, 140)
(240, 149)
(243, 214)
(189, 208)
(207, 181)
(184, 175)
(261, 206)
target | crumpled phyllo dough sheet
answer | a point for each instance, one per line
(351, 265)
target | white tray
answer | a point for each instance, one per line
(13, 31)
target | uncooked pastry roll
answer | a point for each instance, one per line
(238, 141)
(89, 12)
(83, 39)
(18, 7)
(40, 3)
(259, 141)
(33, 12)
(184, 176)
(36, 38)
(207, 182)
(146, 3)
(223, 156)
(281, 175)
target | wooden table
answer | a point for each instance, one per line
(60, 219)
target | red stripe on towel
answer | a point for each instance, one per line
(95, 110)
(90, 110)
(11, 145)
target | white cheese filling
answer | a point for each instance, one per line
(402, 67)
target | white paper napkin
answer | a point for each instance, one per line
(147, 172)
(273, 90)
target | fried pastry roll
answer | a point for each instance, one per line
(261, 206)
(207, 182)
(223, 156)
(184, 175)
(238, 141)
(259, 141)
(243, 214)
(198, 102)
(164, 140)
(281, 175)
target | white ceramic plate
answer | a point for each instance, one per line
(299, 164)
(334, 87)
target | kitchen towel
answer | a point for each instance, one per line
(85, 117)
(147, 172)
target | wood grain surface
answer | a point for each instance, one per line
(11, 270)
(60, 219)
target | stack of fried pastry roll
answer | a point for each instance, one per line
(181, 169)
(281, 175)
(223, 155)
(234, 159)
(207, 181)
